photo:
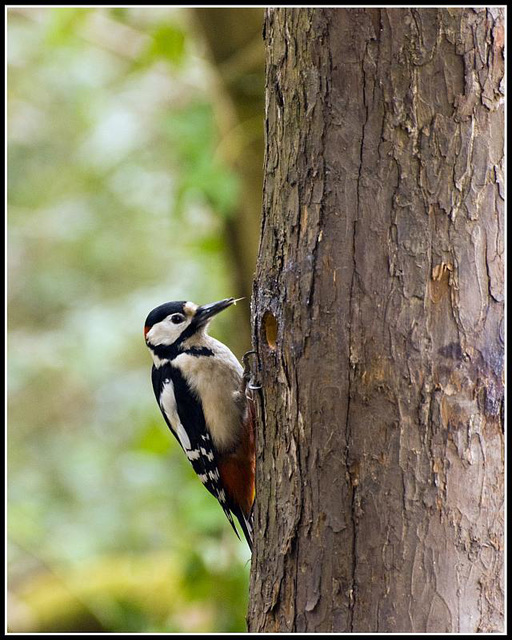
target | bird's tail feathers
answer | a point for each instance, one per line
(246, 524)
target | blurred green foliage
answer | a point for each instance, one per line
(115, 204)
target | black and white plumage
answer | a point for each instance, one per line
(199, 387)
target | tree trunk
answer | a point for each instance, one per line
(378, 323)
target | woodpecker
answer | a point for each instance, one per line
(202, 393)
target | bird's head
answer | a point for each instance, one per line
(173, 323)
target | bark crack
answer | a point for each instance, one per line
(352, 588)
(352, 365)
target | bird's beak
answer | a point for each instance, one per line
(207, 311)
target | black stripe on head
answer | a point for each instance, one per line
(171, 351)
(168, 351)
(198, 351)
(164, 310)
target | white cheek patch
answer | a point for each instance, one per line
(166, 332)
(162, 333)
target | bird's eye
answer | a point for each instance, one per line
(177, 318)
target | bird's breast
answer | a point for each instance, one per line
(216, 383)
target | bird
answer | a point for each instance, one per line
(203, 395)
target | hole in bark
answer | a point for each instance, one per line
(270, 329)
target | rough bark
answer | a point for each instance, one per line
(378, 323)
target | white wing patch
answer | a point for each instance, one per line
(169, 407)
(168, 402)
(183, 436)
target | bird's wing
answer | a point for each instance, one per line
(184, 416)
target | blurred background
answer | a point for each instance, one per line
(135, 151)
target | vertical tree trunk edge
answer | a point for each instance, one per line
(378, 322)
